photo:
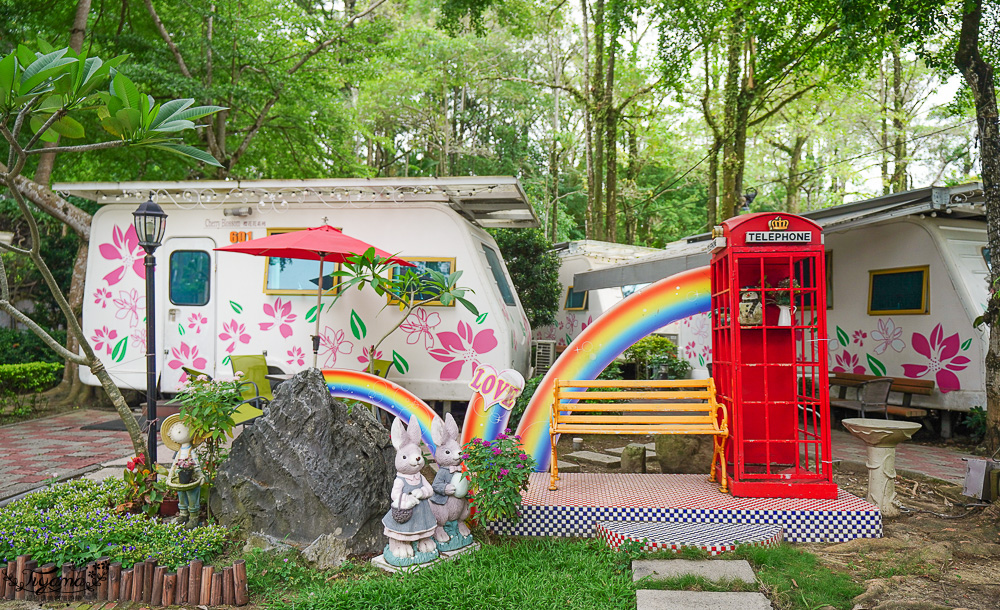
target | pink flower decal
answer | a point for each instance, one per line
(281, 311)
(859, 337)
(459, 348)
(196, 321)
(418, 325)
(129, 303)
(848, 363)
(104, 338)
(366, 355)
(571, 322)
(233, 331)
(186, 355)
(102, 296)
(125, 249)
(584, 325)
(943, 359)
(332, 343)
(691, 349)
(296, 356)
(888, 335)
(138, 337)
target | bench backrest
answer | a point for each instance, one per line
(675, 401)
(899, 384)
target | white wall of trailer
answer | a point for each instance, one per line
(239, 317)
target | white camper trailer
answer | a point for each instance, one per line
(211, 305)
(907, 276)
(579, 308)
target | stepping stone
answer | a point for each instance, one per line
(650, 450)
(568, 466)
(699, 600)
(713, 538)
(662, 569)
(592, 457)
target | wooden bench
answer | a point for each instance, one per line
(906, 387)
(682, 406)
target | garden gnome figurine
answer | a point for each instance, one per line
(409, 524)
(448, 503)
(177, 436)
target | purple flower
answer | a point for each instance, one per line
(519, 466)
(506, 430)
(503, 472)
(523, 456)
(502, 437)
(517, 437)
(496, 451)
(465, 456)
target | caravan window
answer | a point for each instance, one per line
(441, 265)
(898, 291)
(576, 300)
(190, 272)
(296, 276)
(501, 279)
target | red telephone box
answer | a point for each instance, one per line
(769, 365)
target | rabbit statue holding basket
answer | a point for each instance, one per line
(409, 524)
(450, 487)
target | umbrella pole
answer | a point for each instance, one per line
(319, 302)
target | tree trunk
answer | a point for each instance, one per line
(734, 44)
(713, 183)
(554, 145)
(600, 111)
(588, 124)
(978, 75)
(793, 197)
(611, 143)
(884, 116)
(898, 127)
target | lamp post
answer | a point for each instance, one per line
(150, 221)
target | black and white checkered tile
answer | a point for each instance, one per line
(714, 538)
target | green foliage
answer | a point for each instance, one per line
(278, 573)
(28, 378)
(146, 486)
(530, 574)
(76, 522)
(534, 269)
(530, 386)
(498, 473)
(975, 422)
(651, 353)
(796, 579)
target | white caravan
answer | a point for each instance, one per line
(907, 276)
(210, 305)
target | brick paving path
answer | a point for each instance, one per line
(31, 451)
(938, 462)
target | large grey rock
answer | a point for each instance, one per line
(683, 453)
(308, 470)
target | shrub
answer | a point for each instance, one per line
(76, 522)
(498, 473)
(23, 346)
(28, 378)
(651, 353)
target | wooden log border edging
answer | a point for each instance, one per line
(101, 580)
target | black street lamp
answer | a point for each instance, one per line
(150, 221)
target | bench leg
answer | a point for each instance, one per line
(720, 450)
(553, 465)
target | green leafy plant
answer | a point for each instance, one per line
(23, 347)
(498, 473)
(207, 410)
(77, 522)
(146, 488)
(975, 422)
(649, 354)
(404, 287)
(29, 377)
(783, 292)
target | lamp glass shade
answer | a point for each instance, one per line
(150, 221)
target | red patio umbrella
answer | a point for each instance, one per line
(323, 244)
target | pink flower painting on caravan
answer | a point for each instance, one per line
(366, 355)
(848, 363)
(332, 343)
(196, 321)
(461, 347)
(102, 296)
(126, 252)
(138, 337)
(419, 326)
(859, 337)
(186, 356)
(296, 356)
(691, 349)
(281, 311)
(942, 359)
(233, 332)
(104, 338)
(129, 303)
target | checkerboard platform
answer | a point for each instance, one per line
(715, 538)
(583, 500)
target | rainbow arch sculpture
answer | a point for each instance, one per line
(382, 393)
(668, 300)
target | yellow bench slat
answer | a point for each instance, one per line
(635, 406)
(651, 383)
(589, 429)
(576, 395)
(626, 420)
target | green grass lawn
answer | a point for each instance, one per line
(535, 573)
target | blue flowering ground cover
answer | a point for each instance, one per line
(76, 522)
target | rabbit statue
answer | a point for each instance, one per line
(448, 503)
(409, 524)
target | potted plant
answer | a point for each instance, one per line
(185, 470)
(782, 297)
(168, 506)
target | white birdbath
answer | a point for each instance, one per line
(881, 436)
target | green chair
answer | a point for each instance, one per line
(256, 386)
